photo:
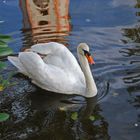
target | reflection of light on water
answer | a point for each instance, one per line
(117, 3)
(88, 20)
(4, 1)
(103, 90)
(1, 21)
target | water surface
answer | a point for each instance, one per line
(112, 30)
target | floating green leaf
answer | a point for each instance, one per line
(4, 117)
(2, 65)
(4, 83)
(5, 38)
(92, 118)
(1, 87)
(4, 51)
(3, 44)
(74, 116)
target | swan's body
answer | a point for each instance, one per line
(58, 70)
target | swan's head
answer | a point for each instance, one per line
(83, 49)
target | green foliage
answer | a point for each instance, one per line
(5, 38)
(3, 44)
(4, 83)
(4, 117)
(74, 116)
(4, 48)
(92, 118)
(2, 65)
(5, 51)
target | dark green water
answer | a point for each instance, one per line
(112, 29)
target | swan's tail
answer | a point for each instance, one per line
(16, 62)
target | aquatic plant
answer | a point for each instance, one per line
(4, 48)
(4, 83)
(4, 51)
(74, 117)
(4, 117)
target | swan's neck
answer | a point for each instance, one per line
(91, 89)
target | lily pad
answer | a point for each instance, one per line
(3, 44)
(1, 87)
(74, 116)
(4, 117)
(4, 51)
(92, 118)
(5, 38)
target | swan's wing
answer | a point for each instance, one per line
(58, 55)
(33, 64)
(16, 62)
(69, 65)
(62, 81)
(64, 59)
(47, 48)
(48, 76)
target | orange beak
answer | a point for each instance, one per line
(90, 59)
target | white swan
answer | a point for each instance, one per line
(53, 67)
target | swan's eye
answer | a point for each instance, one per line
(86, 53)
(89, 57)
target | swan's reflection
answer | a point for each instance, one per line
(55, 123)
(43, 100)
(89, 108)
